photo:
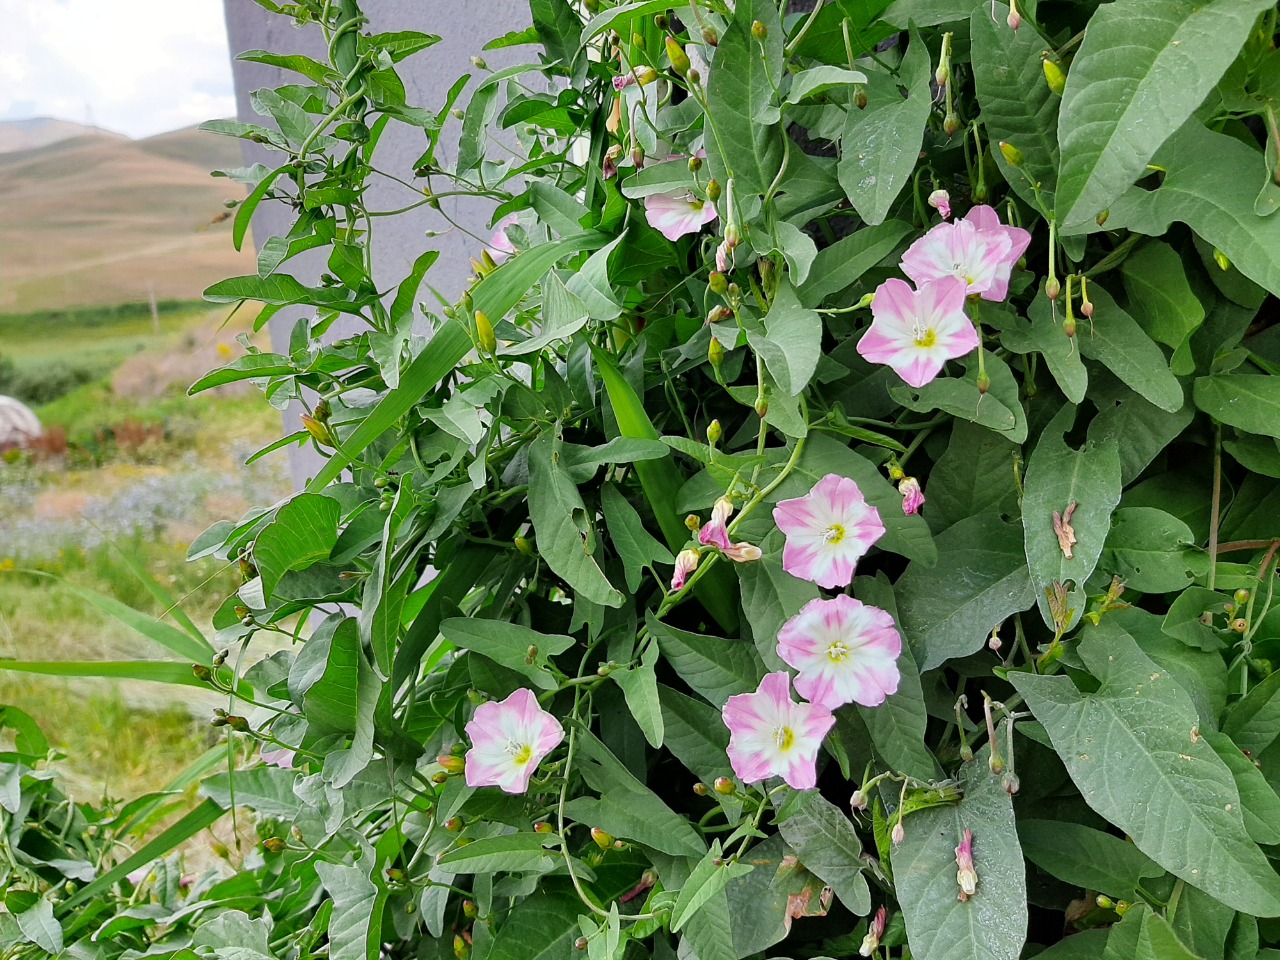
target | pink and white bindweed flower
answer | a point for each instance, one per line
(959, 249)
(912, 495)
(940, 200)
(500, 246)
(828, 530)
(770, 735)
(966, 872)
(988, 223)
(686, 563)
(675, 215)
(845, 651)
(917, 331)
(508, 741)
(716, 534)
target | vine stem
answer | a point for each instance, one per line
(1216, 506)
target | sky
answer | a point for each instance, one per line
(137, 67)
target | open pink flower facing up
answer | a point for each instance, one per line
(508, 741)
(770, 735)
(988, 223)
(674, 215)
(828, 530)
(845, 650)
(716, 534)
(960, 249)
(917, 331)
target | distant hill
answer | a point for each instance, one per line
(96, 219)
(42, 131)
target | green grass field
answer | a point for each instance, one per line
(67, 516)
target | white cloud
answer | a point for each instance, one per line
(136, 66)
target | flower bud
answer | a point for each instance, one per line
(543, 827)
(661, 22)
(700, 789)
(1069, 326)
(860, 98)
(762, 408)
(524, 546)
(714, 432)
(1241, 597)
(580, 943)
(686, 564)
(602, 840)
(966, 872)
(942, 75)
(479, 64)
(713, 190)
(679, 59)
(950, 123)
(984, 383)
(453, 824)
(695, 78)
(439, 778)
(940, 200)
(759, 30)
(202, 673)
(718, 283)
(710, 35)
(461, 949)
(1011, 154)
(451, 763)
(858, 801)
(899, 833)
(1103, 217)
(637, 40)
(273, 844)
(693, 522)
(1105, 902)
(695, 164)
(319, 431)
(637, 157)
(484, 333)
(1221, 259)
(1010, 783)
(724, 786)
(470, 910)
(715, 353)
(239, 724)
(1240, 625)
(1014, 19)
(1052, 288)
(1054, 76)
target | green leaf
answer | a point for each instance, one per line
(636, 547)
(1115, 340)
(1183, 619)
(509, 853)
(605, 19)
(1057, 477)
(400, 44)
(356, 921)
(897, 726)
(713, 666)
(244, 212)
(1249, 402)
(626, 807)
(825, 841)
(1258, 801)
(1141, 429)
(249, 367)
(950, 609)
(999, 409)
(267, 791)
(153, 671)
(280, 290)
(543, 926)
(1161, 300)
(303, 532)
(1152, 551)
(770, 597)
(791, 342)
(1145, 935)
(39, 927)
(844, 262)
(821, 79)
(990, 925)
(1044, 336)
(1017, 105)
(508, 644)
(1254, 722)
(1142, 69)
(696, 734)
(1086, 945)
(1129, 748)
(744, 143)
(709, 877)
(558, 28)
(973, 476)
(566, 534)
(881, 144)
(640, 688)
(323, 677)
(1210, 186)
(1085, 857)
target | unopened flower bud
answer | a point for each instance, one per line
(661, 22)
(461, 949)
(695, 78)
(984, 383)
(239, 724)
(1240, 625)
(1105, 902)
(484, 333)
(273, 844)
(1121, 907)
(950, 124)
(1014, 19)
(1052, 288)
(451, 763)
(453, 824)
(695, 164)
(994, 643)
(715, 352)
(700, 789)
(637, 40)
(1241, 597)
(637, 157)
(1011, 153)
(860, 98)
(479, 64)
(733, 236)
(602, 839)
(724, 786)
(1086, 309)
(1103, 217)
(759, 30)
(1069, 326)
(713, 190)
(966, 873)
(710, 35)
(718, 282)
(470, 910)
(1054, 76)
(543, 827)
(439, 777)
(1221, 259)
(202, 673)
(319, 431)
(679, 59)
(714, 432)
(524, 546)
(858, 801)
(1010, 783)
(693, 522)
(580, 943)
(899, 833)
(942, 75)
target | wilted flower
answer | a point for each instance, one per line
(875, 933)
(966, 874)
(770, 735)
(828, 530)
(716, 534)
(674, 215)
(940, 200)
(917, 331)
(724, 257)
(508, 741)
(912, 495)
(845, 651)
(959, 249)
(686, 563)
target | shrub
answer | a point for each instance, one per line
(695, 585)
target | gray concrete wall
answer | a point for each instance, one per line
(464, 26)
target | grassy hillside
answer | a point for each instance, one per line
(97, 220)
(42, 131)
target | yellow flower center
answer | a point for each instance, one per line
(926, 339)
(522, 756)
(834, 534)
(838, 652)
(785, 738)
